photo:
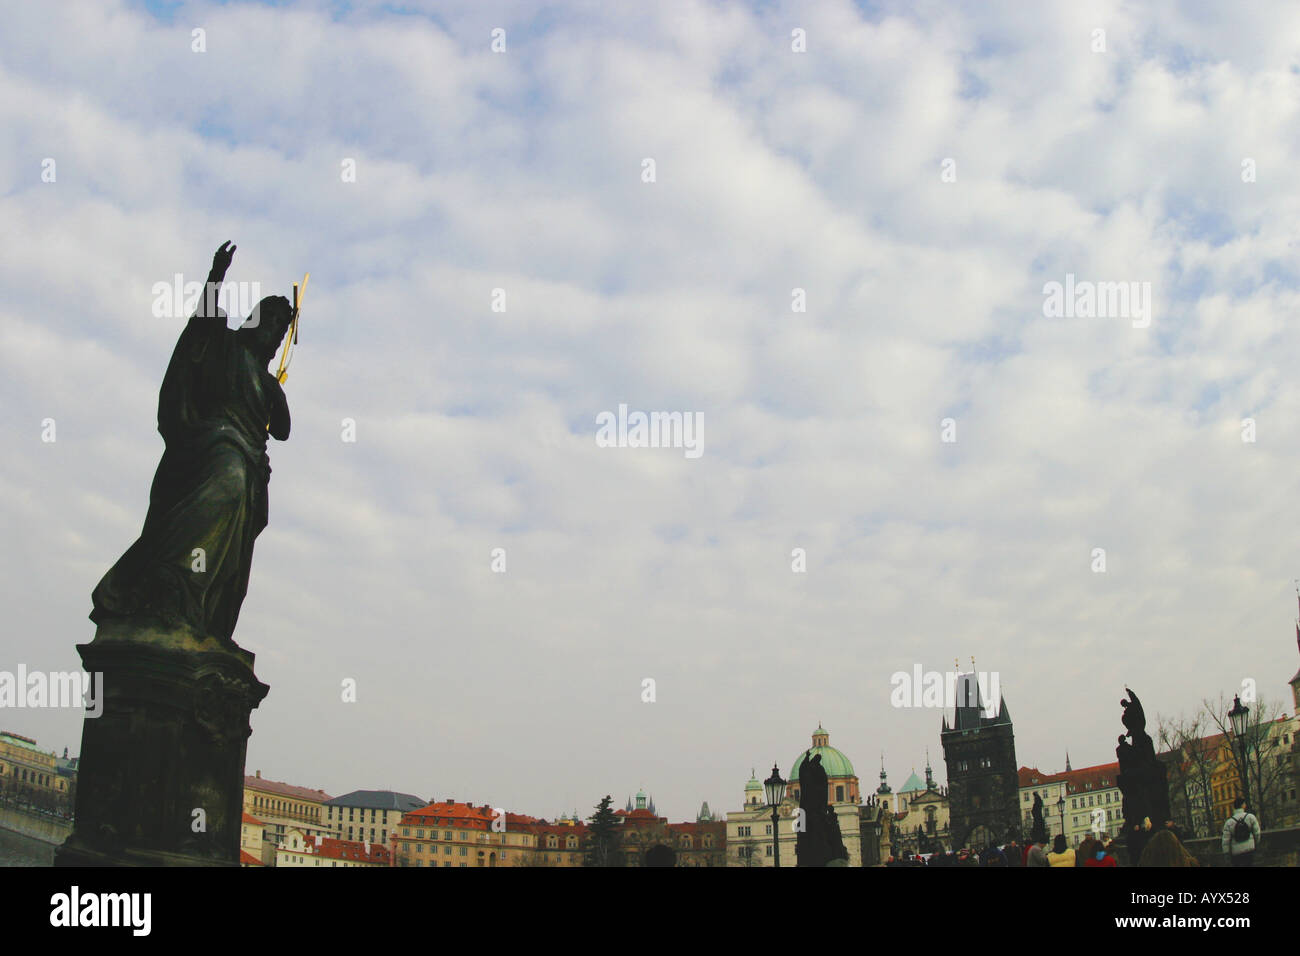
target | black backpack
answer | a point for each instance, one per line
(1241, 832)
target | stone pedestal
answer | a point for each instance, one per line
(170, 741)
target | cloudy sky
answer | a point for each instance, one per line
(920, 170)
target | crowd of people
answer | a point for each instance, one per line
(1161, 846)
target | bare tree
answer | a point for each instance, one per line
(1189, 755)
(748, 853)
(1265, 759)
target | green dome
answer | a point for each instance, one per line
(833, 762)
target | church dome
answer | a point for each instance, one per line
(913, 783)
(833, 761)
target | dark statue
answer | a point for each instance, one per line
(1141, 780)
(217, 404)
(168, 750)
(819, 843)
(1038, 830)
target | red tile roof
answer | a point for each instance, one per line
(1085, 779)
(249, 818)
(1033, 777)
(247, 859)
(331, 849)
(452, 814)
(466, 816)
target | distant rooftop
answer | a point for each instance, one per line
(284, 789)
(378, 800)
(20, 741)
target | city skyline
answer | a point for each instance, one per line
(845, 261)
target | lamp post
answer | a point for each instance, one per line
(1060, 808)
(774, 787)
(1239, 716)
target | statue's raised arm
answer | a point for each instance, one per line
(221, 260)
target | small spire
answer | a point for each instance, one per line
(1068, 768)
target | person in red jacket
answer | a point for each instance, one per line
(1100, 857)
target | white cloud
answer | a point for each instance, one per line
(476, 428)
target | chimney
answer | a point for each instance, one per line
(259, 775)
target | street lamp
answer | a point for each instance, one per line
(774, 787)
(1239, 716)
(1060, 808)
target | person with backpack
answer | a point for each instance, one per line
(1241, 835)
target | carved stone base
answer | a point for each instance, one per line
(160, 781)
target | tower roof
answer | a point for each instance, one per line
(969, 714)
(884, 782)
(913, 783)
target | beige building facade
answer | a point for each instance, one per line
(283, 806)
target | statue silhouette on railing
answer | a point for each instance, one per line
(1038, 830)
(1141, 780)
(208, 503)
(819, 843)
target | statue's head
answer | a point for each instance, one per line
(264, 330)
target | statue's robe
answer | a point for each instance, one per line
(210, 490)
